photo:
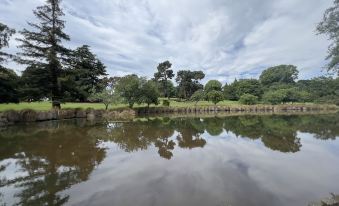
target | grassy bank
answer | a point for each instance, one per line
(43, 106)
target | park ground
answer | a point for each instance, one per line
(43, 106)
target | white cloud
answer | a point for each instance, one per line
(227, 39)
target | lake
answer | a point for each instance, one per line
(243, 160)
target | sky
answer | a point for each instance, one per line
(226, 39)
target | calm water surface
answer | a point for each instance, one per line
(218, 161)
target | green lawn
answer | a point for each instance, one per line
(47, 105)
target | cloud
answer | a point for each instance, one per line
(226, 39)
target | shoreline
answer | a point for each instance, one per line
(13, 117)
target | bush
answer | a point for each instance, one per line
(215, 96)
(274, 97)
(165, 103)
(248, 99)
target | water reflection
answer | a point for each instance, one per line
(40, 161)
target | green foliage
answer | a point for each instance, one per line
(188, 82)
(171, 90)
(215, 96)
(5, 34)
(274, 97)
(279, 74)
(293, 94)
(84, 75)
(129, 88)
(230, 92)
(43, 47)
(9, 83)
(213, 85)
(330, 26)
(107, 96)
(247, 86)
(163, 75)
(198, 96)
(248, 99)
(165, 103)
(149, 93)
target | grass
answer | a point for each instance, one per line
(42, 106)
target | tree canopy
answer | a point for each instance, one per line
(188, 82)
(279, 74)
(330, 27)
(163, 74)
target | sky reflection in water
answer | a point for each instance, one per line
(239, 160)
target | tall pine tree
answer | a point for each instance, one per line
(42, 46)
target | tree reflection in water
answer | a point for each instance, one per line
(49, 158)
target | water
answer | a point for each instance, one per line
(218, 161)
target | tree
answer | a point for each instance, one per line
(43, 47)
(107, 96)
(171, 90)
(247, 86)
(149, 93)
(274, 97)
(279, 74)
(85, 74)
(9, 83)
(230, 92)
(330, 26)
(8, 78)
(215, 96)
(129, 87)
(213, 85)
(34, 83)
(5, 34)
(198, 96)
(188, 82)
(248, 99)
(164, 73)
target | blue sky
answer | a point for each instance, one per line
(226, 39)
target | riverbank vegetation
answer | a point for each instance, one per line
(58, 74)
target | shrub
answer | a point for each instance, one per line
(165, 103)
(248, 99)
(274, 97)
(215, 96)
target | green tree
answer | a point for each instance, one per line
(215, 96)
(9, 83)
(274, 97)
(213, 85)
(43, 45)
(5, 35)
(149, 93)
(198, 96)
(248, 99)
(8, 78)
(230, 92)
(85, 74)
(279, 74)
(164, 73)
(247, 86)
(330, 26)
(34, 83)
(107, 96)
(171, 89)
(129, 88)
(188, 82)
